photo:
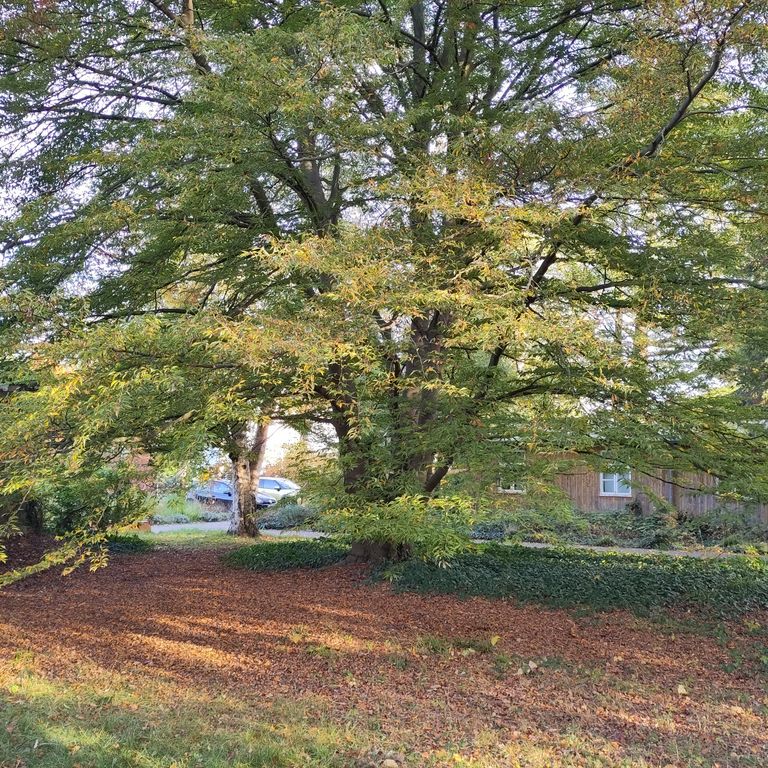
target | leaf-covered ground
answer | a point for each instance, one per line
(172, 659)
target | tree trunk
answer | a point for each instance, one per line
(187, 18)
(354, 475)
(247, 459)
(31, 516)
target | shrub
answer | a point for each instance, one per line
(169, 518)
(287, 515)
(725, 528)
(623, 527)
(433, 528)
(284, 555)
(565, 577)
(551, 524)
(98, 499)
(659, 529)
(127, 544)
(174, 508)
(214, 515)
(490, 530)
(626, 528)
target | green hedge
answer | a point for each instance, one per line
(566, 577)
(284, 555)
(120, 543)
(287, 515)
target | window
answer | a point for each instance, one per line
(269, 484)
(222, 489)
(509, 486)
(615, 484)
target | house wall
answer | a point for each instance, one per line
(581, 485)
(692, 503)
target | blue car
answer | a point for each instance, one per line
(221, 492)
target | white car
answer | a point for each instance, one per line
(277, 487)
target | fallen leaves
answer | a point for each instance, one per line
(527, 668)
(521, 673)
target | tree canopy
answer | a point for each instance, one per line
(458, 233)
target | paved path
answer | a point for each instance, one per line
(224, 525)
(170, 527)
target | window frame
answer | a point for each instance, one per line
(617, 476)
(512, 488)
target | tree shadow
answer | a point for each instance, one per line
(329, 637)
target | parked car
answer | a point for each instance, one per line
(221, 492)
(278, 487)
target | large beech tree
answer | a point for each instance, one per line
(458, 233)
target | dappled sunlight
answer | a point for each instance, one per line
(168, 652)
(99, 717)
(409, 669)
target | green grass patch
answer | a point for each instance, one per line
(569, 577)
(443, 646)
(284, 555)
(175, 509)
(107, 721)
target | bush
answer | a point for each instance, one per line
(284, 555)
(663, 530)
(490, 530)
(434, 528)
(118, 544)
(624, 528)
(214, 515)
(169, 518)
(552, 524)
(565, 577)
(725, 528)
(287, 515)
(657, 531)
(174, 508)
(98, 499)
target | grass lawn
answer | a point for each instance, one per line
(95, 717)
(172, 659)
